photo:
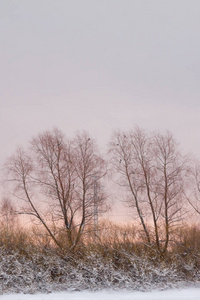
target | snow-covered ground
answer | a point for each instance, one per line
(184, 294)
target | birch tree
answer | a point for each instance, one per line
(54, 179)
(152, 172)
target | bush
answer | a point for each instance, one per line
(28, 265)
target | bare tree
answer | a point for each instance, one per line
(58, 174)
(152, 171)
(193, 195)
(8, 217)
(171, 169)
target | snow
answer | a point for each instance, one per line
(183, 294)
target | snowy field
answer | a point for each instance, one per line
(184, 294)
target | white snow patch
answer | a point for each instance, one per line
(184, 294)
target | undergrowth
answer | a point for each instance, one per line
(29, 265)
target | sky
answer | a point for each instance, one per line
(98, 65)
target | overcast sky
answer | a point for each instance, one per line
(98, 65)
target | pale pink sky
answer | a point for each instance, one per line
(99, 65)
